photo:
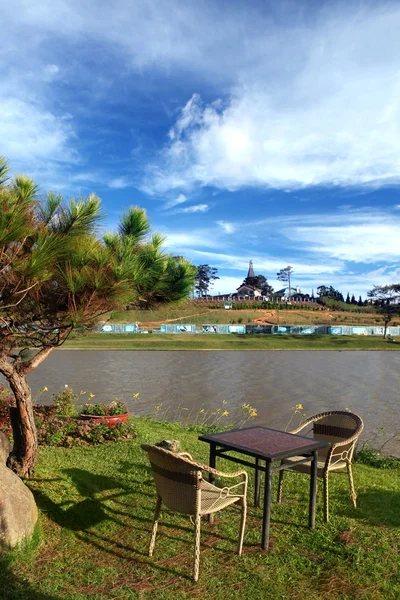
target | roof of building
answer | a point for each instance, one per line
(251, 270)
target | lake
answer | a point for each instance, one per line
(273, 382)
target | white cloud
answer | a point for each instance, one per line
(29, 133)
(362, 237)
(176, 201)
(119, 183)
(227, 227)
(336, 120)
(194, 209)
(194, 238)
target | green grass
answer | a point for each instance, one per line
(96, 506)
(104, 341)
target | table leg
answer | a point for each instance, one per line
(257, 483)
(211, 477)
(267, 505)
(313, 489)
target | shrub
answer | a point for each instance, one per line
(64, 402)
(100, 409)
(55, 430)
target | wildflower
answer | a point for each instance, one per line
(201, 411)
(91, 395)
(225, 413)
(253, 412)
(135, 395)
(82, 392)
(44, 389)
(299, 406)
(66, 385)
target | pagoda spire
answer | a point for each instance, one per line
(251, 270)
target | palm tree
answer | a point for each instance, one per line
(56, 273)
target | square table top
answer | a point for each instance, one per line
(265, 443)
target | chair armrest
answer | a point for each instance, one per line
(185, 455)
(220, 473)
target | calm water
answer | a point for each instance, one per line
(366, 382)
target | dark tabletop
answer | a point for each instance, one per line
(263, 442)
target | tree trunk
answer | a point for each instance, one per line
(23, 456)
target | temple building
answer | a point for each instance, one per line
(248, 292)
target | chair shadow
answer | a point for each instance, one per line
(83, 516)
(376, 506)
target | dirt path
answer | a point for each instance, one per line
(150, 323)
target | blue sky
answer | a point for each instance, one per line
(248, 130)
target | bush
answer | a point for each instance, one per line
(373, 458)
(64, 402)
(100, 409)
(54, 430)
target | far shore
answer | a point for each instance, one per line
(126, 341)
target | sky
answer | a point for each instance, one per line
(248, 130)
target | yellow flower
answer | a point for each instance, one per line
(245, 405)
(82, 392)
(45, 389)
(91, 395)
(299, 406)
(201, 411)
(135, 395)
(225, 413)
(253, 413)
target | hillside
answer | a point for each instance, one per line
(198, 313)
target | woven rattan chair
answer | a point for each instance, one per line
(181, 487)
(341, 429)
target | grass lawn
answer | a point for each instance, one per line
(96, 507)
(126, 341)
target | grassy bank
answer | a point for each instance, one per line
(104, 341)
(200, 312)
(96, 506)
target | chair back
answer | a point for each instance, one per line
(177, 480)
(338, 426)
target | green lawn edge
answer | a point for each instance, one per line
(104, 341)
(96, 506)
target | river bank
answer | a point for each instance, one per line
(127, 341)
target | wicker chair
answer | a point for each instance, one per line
(341, 429)
(181, 487)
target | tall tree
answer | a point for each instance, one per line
(204, 279)
(360, 301)
(324, 291)
(348, 301)
(261, 283)
(56, 273)
(386, 299)
(353, 299)
(285, 275)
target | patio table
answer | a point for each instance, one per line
(267, 445)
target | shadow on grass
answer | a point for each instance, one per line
(15, 588)
(84, 516)
(378, 507)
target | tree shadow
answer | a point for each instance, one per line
(15, 588)
(379, 507)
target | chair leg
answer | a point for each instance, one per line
(155, 523)
(353, 494)
(326, 498)
(196, 548)
(280, 485)
(242, 526)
